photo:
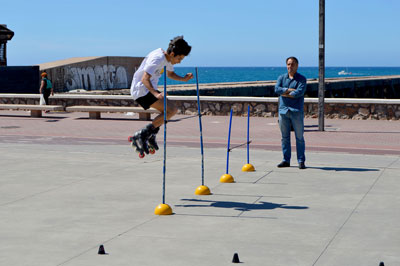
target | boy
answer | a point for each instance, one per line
(144, 89)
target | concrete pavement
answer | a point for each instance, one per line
(69, 184)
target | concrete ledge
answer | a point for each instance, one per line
(32, 107)
(275, 99)
(95, 111)
(344, 108)
(202, 98)
(36, 110)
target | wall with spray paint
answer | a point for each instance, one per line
(95, 77)
(95, 73)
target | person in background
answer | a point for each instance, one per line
(291, 88)
(46, 88)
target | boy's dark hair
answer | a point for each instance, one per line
(179, 46)
(293, 58)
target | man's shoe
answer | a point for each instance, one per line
(283, 164)
(302, 165)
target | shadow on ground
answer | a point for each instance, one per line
(348, 169)
(240, 206)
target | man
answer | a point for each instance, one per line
(291, 88)
(144, 89)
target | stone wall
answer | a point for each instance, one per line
(380, 109)
(345, 109)
(384, 87)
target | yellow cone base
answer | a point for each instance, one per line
(226, 178)
(163, 209)
(202, 190)
(248, 168)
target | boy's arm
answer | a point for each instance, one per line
(174, 76)
(146, 82)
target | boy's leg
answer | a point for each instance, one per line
(154, 127)
(152, 139)
(147, 134)
(159, 105)
(140, 139)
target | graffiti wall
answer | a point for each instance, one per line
(92, 73)
(99, 77)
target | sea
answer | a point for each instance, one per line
(242, 74)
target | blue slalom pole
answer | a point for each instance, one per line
(229, 141)
(248, 133)
(165, 130)
(201, 128)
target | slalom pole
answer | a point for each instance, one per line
(248, 132)
(248, 167)
(229, 144)
(227, 178)
(201, 190)
(201, 128)
(164, 209)
(165, 132)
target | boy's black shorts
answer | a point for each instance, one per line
(147, 100)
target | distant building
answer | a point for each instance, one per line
(5, 36)
(92, 73)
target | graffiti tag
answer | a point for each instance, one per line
(95, 78)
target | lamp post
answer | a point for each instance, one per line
(321, 67)
(5, 35)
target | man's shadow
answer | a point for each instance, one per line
(241, 206)
(348, 169)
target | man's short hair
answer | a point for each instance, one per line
(293, 58)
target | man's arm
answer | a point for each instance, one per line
(279, 89)
(174, 76)
(301, 89)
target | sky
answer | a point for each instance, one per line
(221, 32)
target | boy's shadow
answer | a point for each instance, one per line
(241, 206)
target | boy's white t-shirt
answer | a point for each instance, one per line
(153, 64)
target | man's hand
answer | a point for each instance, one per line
(286, 93)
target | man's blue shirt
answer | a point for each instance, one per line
(284, 83)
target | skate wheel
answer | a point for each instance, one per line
(130, 138)
(141, 155)
(152, 151)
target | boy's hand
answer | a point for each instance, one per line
(160, 96)
(188, 77)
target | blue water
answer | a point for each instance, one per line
(239, 74)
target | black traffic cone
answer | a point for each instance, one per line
(381, 264)
(235, 258)
(101, 250)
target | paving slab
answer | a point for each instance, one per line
(72, 184)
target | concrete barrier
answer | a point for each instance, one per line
(343, 108)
